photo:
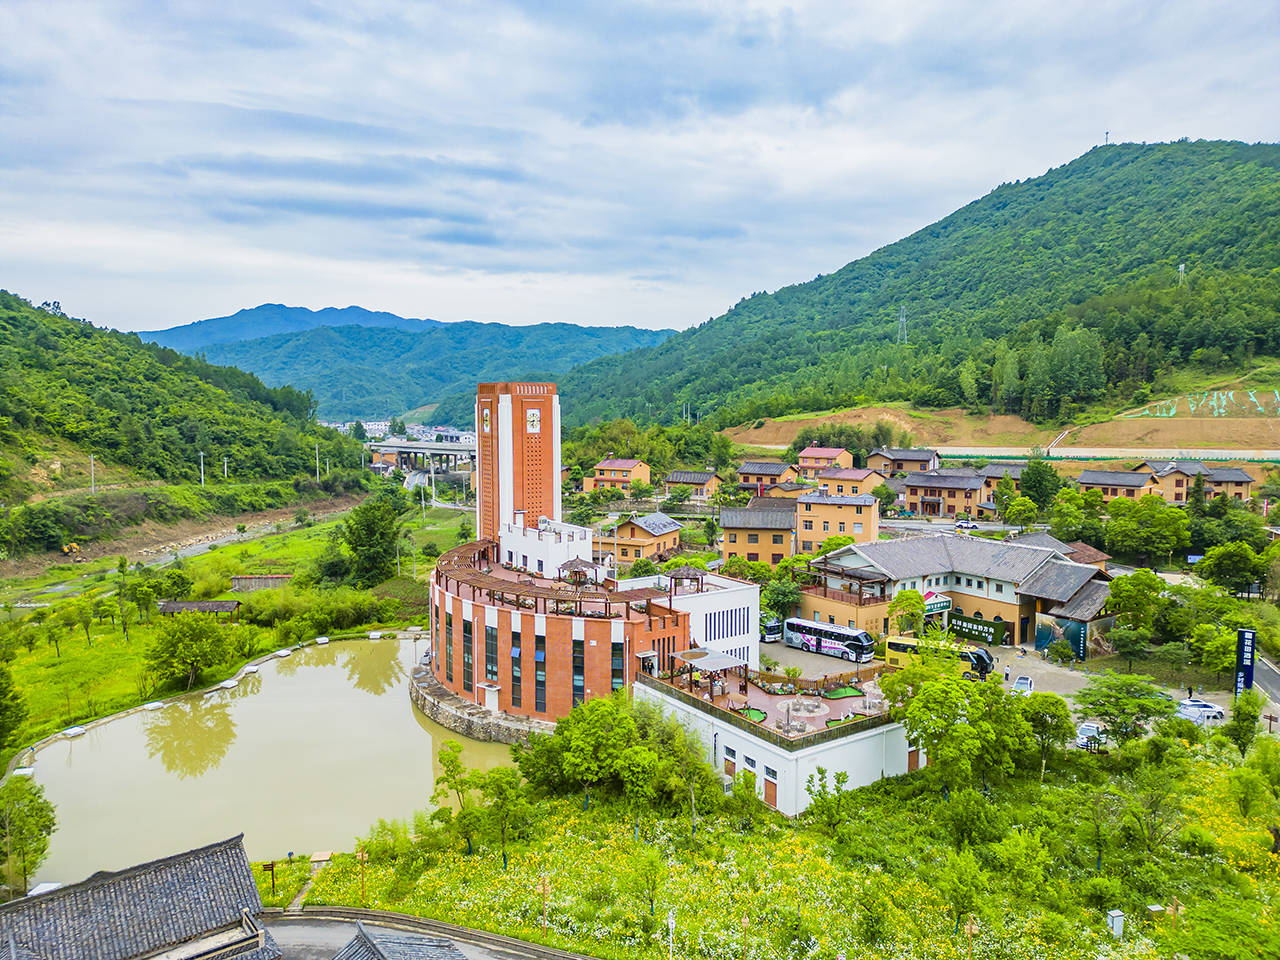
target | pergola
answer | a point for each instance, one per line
(850, 575)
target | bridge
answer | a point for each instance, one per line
(430, 455)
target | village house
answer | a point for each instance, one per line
(756, 474)
(890, 460)
(787, 490)
(1077, 551)
(653, 535)
(849, 481)
(704, 483)
(617, 474)
(813, 460)
(1174, 479)
(820, 516)
(988, 590)
(765, 533)
(1119, 483)
(944, 493)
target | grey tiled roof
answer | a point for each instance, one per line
(695, 477)
(947, 553)
(757, 518)
(902, 453)
(656, 524)
(1229, 475)
(945, 481)
(372, 943)
(1038, 538)
(1001, 467)
(1086, 604)
(140, 911)
(765, 468)
(771, 503)
(1161, 467)
(853, 500)
(1058, 580)
(1115, 478)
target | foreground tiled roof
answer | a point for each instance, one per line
(846, 473)
(766, 468)
(1081, 552)
(1086, 604)
(1039, 538)
(140, 911)
(945, 481)
(372, 943)
(999, 468)
(854, 500)
(822, 451)
(1229, 474)
(1058, 580)
(946, 553)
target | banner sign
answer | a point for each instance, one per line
(936, 603)
(1244, 660)
(985, 631)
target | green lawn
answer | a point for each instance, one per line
(1177, 677)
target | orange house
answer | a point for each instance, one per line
(757, 474)
(616, 473)
(849, 482)
(1119, 483)
(652, 535)
(703, 482)
(814, 460)
(894, 460)
(820, 516)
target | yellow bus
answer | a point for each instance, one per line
(903, 651)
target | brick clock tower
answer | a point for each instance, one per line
(518, 468)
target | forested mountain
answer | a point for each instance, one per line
(145, 407)
(1044, 295)
(365, 372)
(272, 318)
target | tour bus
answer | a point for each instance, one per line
(835, 641)
(903, 651)
(770, 630)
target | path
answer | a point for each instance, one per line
(1091, 453)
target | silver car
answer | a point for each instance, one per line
(1090, 736)
(1200, 711)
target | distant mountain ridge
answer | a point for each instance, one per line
(376, 365)
(275, 318)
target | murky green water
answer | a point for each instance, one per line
(302, 756)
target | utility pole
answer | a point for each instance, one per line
(202, 468)
(317, 463)
(1106, 138)
(93, 483)
(326, 466)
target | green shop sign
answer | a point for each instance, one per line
(937, 605)
(984, 631)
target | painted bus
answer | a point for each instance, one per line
(975, 661)
(829, 638)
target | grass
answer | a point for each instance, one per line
(290, 875)
(1166, 674)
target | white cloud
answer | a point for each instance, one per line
(648, 164)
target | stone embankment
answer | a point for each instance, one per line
(470, 719)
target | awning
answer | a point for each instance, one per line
(646, 654)
(736, 700)
(709, 659)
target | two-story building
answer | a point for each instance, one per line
(654, 536)
(820, 516)
(982, 589)
(703, 483)
(765, 533)
(944, 493)
(890, 460)
(617, 473)
(787, 490)
(754, 475)
(1119, 483)
(813, 460)
(849, 481)
(1175, 477)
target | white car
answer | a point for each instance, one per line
(1200, 711)
(966, 525)
(1023, 686)
(1090, 736)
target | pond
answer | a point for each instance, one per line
(302, 756)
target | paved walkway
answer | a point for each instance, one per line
(322, 939)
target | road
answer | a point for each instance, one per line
(1266, 677)
(943, 525)
(1089, 453)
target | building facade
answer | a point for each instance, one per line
(813, 460)
(616, 473)
(820, 516)
(653, 536)
(702, 483)
(760, 533)
(892, 460)
(518, 449)
(1118, 483)
(849, 481)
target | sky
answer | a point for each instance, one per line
(600, 163)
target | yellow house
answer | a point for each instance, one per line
(652, 536)
(704, 483)
(758, 474)
(761, 533)
(820, 516)
(814, 460)
(789, 490)
(616, 473)
(1175, 477)
(1119, 483)
(894, 460)
(849, 481)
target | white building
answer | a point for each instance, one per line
(545, 548)
(724, 613)
(866, 751)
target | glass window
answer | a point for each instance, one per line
(467, 655)
(540, 673)
(619, 677)
(516, 692)
(448, 647)
(730, 753)
(753, 538)
(777, 538)
(491, 653)
(770, 774)
(579, 676)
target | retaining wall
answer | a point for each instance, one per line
(470, 719)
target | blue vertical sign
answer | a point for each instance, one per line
(1244, 660)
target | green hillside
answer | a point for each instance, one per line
(365, 372)
(1042, 297)
(268, 319)
(68, 390)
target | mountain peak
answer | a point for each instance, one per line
(267, 319)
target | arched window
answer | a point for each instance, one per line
(997, 619)
(957, 611)
(977, 614)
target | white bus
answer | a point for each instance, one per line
(770, 630)
(835, 641)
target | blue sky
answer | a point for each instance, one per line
(646, 163)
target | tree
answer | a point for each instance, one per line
(1005, 493)
(641, 490)
(507, 808)
(27, 820)
(455, 779)
(1145, 528)
(175, 585)
(710, 529)
(906, 610)
(1233, 566)
(648, 875)
(1136, 598)
(638, 768)
(370, 532)
(1050, 720)
(1040, 482)
(358, 432)
(145, 598)
(961, 883)
(886, 495)
(596, 734)
(186, 644)
(13, 707)
(831, 804)
(466, 530)
(1246, 711)
(302, 517)
(678, 494)
(582, 515)
(1128, 643)
(1022, 511)
(937, 719)
(780, 597)
(1125, 704)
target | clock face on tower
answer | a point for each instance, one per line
(533, 421)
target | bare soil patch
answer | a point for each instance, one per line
(1245, 433)
(929, 427)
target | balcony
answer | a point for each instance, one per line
(843, 596)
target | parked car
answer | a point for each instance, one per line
(1023, 686)
(1200, 711)
(1090, 736)
(966, 525)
